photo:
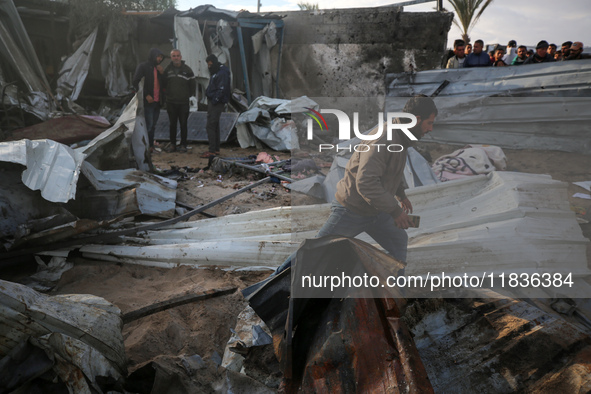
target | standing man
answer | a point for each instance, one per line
(180, 86)
(478, 58)
(468, 49)
(552, 50)
(566, 49)
(218, 94)
(457, 61)
(511, 52)
(371, 198)
(151, 71)
(541, 55)
(576, 52)
(521, 56)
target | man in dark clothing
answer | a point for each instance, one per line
(180, 86)
(566, 49)
(151, 71)
(478, 58)
(576, 52)
(218, 94)
(541, 55)
(521, 56)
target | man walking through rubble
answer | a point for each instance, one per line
(152, 72)
(218, 94)
(180, 86)
(366, 197)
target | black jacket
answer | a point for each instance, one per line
(535, 59)
(179, 83)
(146, 70)
(219, 89)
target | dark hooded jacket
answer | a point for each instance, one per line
(219, 90)
(146, 70)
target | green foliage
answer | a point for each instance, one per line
(467, 13)
(308, 6)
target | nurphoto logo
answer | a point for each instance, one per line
(344, 131)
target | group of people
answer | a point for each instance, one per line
(466, 56)
(175, 85)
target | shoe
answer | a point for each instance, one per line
(207, 155)
(170, 149)
(182, 149)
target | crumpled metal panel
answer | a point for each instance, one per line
(78, 364)
(24, 313)
(52, 168)
(543, 106)
(156, 195)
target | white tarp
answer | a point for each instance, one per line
(75, 69)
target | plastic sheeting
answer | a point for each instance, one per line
(23, 65)
(113, 58)
(75, 69)
(190, 43)
(17, 49)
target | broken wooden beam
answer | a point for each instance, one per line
(174, 302)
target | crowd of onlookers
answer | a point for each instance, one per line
(465, 55)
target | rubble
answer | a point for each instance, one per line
(99, 218)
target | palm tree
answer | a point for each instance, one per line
(308, 6)
(468, 12)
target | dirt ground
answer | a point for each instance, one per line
(204, 327)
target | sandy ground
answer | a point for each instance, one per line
(204, 327)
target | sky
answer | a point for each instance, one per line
(525, 21)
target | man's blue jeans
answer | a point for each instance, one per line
(380, 227)
(151, 114)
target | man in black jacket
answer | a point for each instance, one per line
(151, 71)
(180, 86)
(541, 55)
(218, 94)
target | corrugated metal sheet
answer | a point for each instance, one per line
(541, 106)
(501, 222)
(52, 167)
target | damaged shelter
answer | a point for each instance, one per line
(135, 291)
